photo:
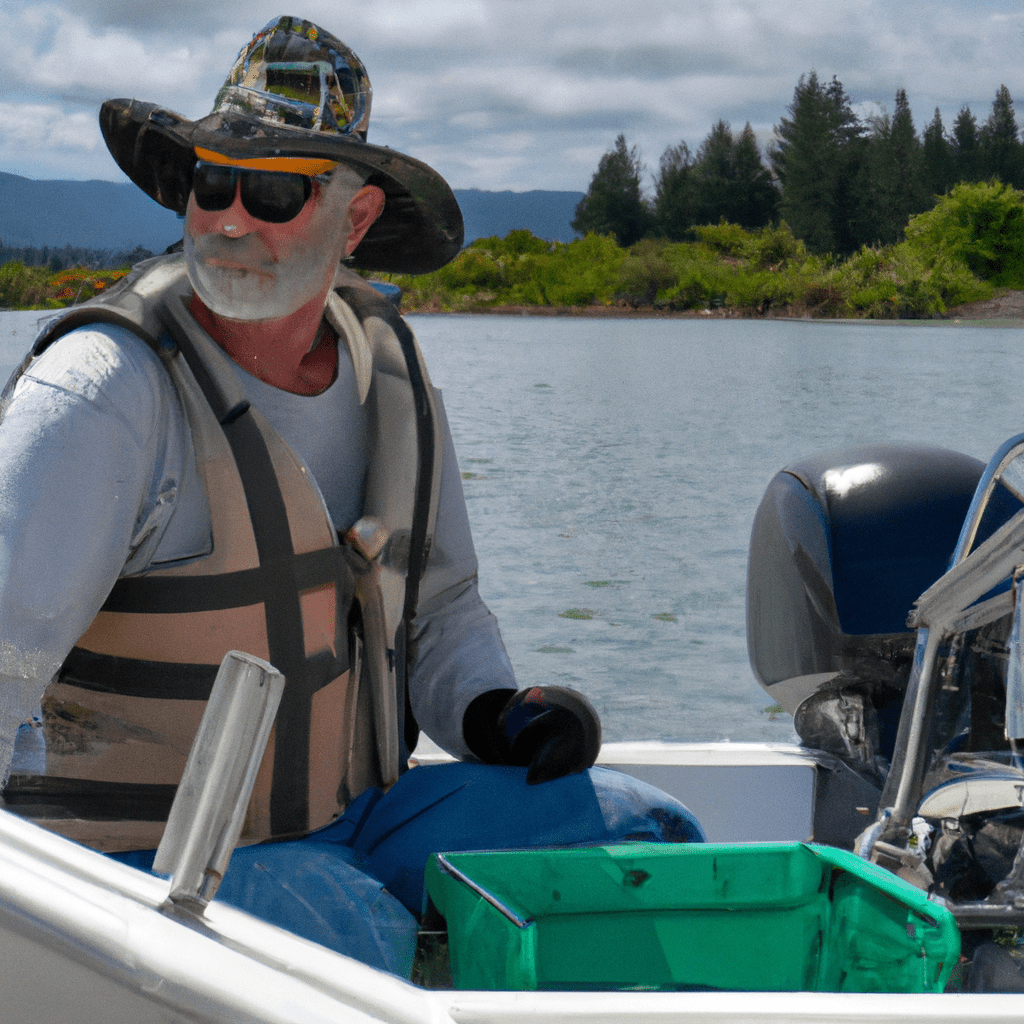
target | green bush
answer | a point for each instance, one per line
(724, 238)
(528, 293)
(470, 271)
(757, 291)
(520, 269)
(582, 272)
(980, 225)
(645, 273)
(753, 272)
(900, 282)
(24, 287)
(824, 296)
(516, 243)
(694, 291)
(775, 247)
(956, 284)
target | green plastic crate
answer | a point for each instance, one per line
(757, 917)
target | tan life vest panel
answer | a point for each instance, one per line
(120, 717)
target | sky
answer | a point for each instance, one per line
(508, 94)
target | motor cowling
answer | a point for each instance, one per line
(842, 545)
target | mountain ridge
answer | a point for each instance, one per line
(117, 216)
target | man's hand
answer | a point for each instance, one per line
(551, 730)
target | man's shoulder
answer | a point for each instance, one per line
(101, 362)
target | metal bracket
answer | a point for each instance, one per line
(213, 795)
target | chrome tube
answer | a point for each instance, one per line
(905, 805)
(209, 806)
(997, 466)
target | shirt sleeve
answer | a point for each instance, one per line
(459, 650)
(86, 486)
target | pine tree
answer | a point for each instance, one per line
(937, 158)
(1000, 148)
(817, 157)
(674, 194)
(966, 156)
(714, 176)
(614, 203)
(894, 187)
(727, 179)
(757, 199)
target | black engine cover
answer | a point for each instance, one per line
(842, 545)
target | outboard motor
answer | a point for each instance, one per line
(842, 545)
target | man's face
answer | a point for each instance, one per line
(244, 268)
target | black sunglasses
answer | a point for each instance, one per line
(273, 196)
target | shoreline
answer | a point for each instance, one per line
(1006, 310)
(603, 312)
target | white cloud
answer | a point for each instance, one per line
(528, 93)
(58, 52)
(44, 126)
(423, 20)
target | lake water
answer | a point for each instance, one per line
(612, 470)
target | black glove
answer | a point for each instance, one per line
(549, 729)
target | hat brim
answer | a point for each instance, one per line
(419, 230)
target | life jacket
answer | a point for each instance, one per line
(335, 618)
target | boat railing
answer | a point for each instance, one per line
(971, 594)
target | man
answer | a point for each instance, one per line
(180, 459)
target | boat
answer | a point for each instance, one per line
(897, 763)
(921, 698)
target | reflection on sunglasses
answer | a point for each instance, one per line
(272, 196)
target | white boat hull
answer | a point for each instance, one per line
(85, 939)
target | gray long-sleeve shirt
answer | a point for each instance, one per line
(98, 480)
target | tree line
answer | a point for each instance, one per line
(964, 249)
(64, 257)
(839, 182)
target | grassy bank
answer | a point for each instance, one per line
(726, 269)
(964, 250)
(23, 287)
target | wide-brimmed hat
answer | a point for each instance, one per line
(297, 98)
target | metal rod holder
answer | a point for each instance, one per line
(213, 795)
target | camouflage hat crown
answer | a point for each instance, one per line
(295, 92)
(294, 73)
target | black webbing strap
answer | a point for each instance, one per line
(366, 302)
(38, 796)
(163, 680)
(215, 592)
(289, 798)
(135, 677)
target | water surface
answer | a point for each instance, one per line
(612, 470)
(615, 466)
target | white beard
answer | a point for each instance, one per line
(264, 290)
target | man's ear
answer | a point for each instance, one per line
(366, 206)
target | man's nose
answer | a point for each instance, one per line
(235, 221)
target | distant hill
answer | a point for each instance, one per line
(546, 214)
(117, 216)
(89, 214)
